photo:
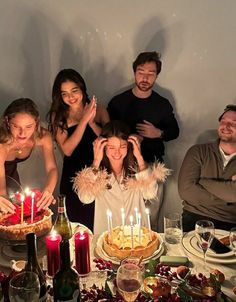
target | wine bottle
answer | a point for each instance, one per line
(33, 265)
(62, 224)
(66, 280)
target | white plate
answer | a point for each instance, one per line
(102, 254)
(218, 234)
(187, 243)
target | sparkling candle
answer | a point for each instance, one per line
(131, 218)
(109, 223)
(82, 252)
(22, 199)
(53, 253)
(32, 206)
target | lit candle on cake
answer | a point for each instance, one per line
(22, 199)
(32, 206)
(123, 218)
(109, 223)
(139, 227)
(131, 218)
(149, 223)
(136, 214)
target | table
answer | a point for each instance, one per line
(171, 250)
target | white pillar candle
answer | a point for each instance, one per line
(22, 199)
(139, 227)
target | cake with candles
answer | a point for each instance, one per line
(122, 242)
(26, 219)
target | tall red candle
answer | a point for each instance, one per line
(82, 252)
(53, 253)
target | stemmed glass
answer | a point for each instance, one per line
(129, 281)
(24, 286)
(204, 231)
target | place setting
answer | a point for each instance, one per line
(211, 244)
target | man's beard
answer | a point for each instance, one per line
(144, 86)
(227, 139)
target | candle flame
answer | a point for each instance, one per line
(147, 211)
(122, 210)
(135, 209)
(22, 198)
(32, 195)
(109, 213)
(27, 191)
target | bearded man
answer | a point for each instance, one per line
(148, 114)
(207, 178)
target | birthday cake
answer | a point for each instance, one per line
(16, 226)
(119, 244)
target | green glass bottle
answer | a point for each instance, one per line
(62, 224)
(32, 265)
(66, 280)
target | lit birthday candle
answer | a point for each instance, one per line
(149, 223)
(32, 206)
(123, 217)
(131, 218)
(136, 214)
(22, 199)
(139, 227)
(109, 223)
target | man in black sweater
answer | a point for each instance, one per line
(148, 114)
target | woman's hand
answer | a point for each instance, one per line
(98, 151)
(134, 140)
(89, 111)
(46, 199)
(6, 206)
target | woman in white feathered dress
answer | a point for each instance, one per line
(119, 177)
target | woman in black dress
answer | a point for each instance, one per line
(75, 123)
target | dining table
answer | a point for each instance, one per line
(196, 262)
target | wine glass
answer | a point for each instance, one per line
(232, 238)
(204, 231)
(129, 281)
(24, 286)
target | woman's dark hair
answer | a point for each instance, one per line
(120, 130)
(22, 105)
(58, 113)
(146, 57)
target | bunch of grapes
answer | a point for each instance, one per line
(103, 264)
(165, 271)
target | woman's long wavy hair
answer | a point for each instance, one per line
(120, 130)
(22, 105)
(59, 111)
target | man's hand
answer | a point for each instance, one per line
(6, 206)
(147, 129)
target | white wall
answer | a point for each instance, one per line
(101, 38)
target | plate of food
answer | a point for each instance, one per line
(190, 244)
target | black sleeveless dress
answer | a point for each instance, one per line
(12, 176)
(81, 157)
